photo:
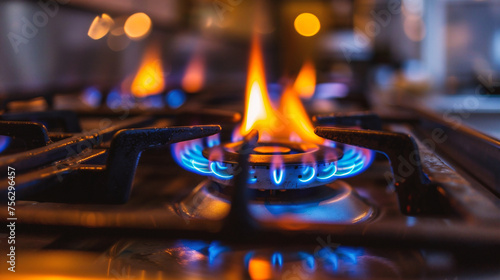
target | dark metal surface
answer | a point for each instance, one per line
(365, 120)
(239, 222)
(67, 148)
(67, 120)
(181, 116)
(469, 200)
(72, 181)
(126, 148)
(477, 153)
(34, 135)
(416, 194)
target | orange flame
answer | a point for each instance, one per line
(259, 113)
(149, 80)
(306, 80)
(289, 122)
(300, 124)
(194, 78)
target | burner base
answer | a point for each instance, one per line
(342, 205)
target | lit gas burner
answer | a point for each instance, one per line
(273, 166)
(292, 171)
(278, 165)
(288, 154)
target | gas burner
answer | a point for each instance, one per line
(273, 165)
(335, 203)
(277, 165)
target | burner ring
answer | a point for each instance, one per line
(288, 152)
(275, 165)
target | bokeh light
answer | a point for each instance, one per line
(175, 98)
(137, 26)
(307, 24)
(100, 26)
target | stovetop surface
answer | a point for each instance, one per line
(137, 240)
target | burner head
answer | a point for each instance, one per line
(275, 165)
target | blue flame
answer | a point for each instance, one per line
(328, 172)
(308, 174)
(214, 250)
(354, 161)
(213, 140)
(328, 255)
(220, 171)
(92, 97)
(247, 258)
(277, 175)
(4, 142)
(350, 253)
(189, 154)
(411, 221)
(308, 261)
(117, 100)
(332, 255)
(251, 179)
(277, 259)
(153, 101)
(175, 98)
(113, 100)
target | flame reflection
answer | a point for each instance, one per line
(259, 269)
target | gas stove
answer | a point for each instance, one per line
(148, 197)
(249, 140)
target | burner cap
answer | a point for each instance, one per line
(266, 153)
(272, 150)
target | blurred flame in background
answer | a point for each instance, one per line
(289, 122)
(305, 83)
(100, 26)
(150, 79)
(194, 76)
